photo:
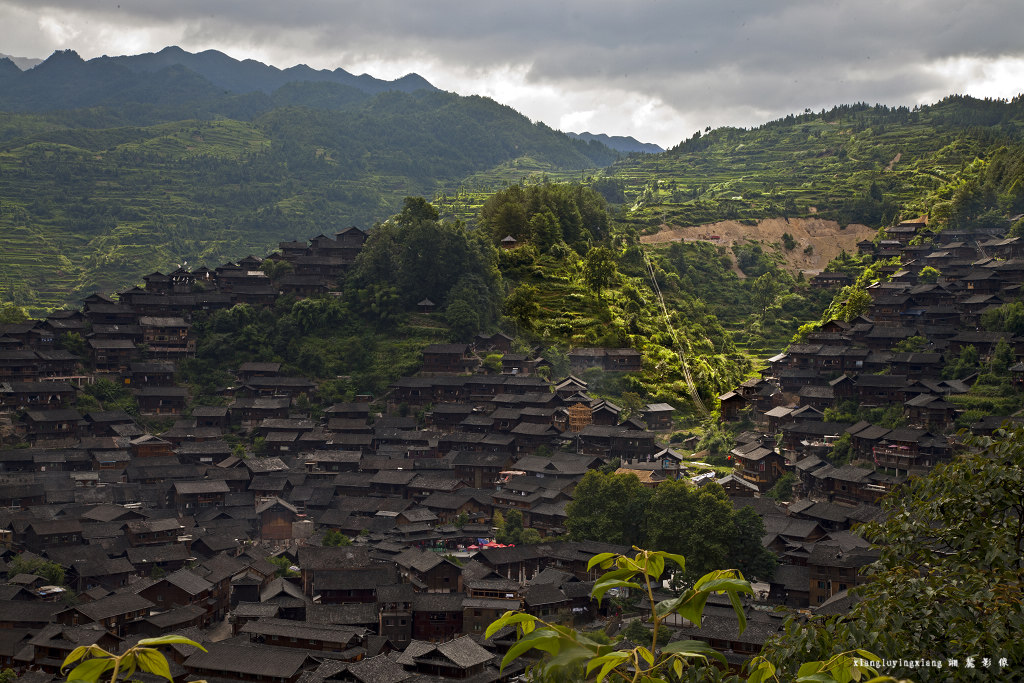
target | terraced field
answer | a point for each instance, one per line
(33, 268)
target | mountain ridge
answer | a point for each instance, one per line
(248, 75)
(23, 63)
(620, 143)
(98, 206)
(172, 76)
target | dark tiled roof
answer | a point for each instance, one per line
(254, 661)
(113, 606)
(463, 652)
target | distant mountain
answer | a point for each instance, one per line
(23, 63)
(249, 75)
(95, 200)
(182, 84)
(619, 143)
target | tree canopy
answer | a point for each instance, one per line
(674, 517)
(422, 257)
(545, 215)
(949, 583)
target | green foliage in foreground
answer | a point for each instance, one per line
(143, 657)
(571, 655)
(949, 584)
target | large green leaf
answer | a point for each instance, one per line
(91, 669)
(655, 565)
(693, 648)
(764, 671)
(170, 640)
(599, 559)
(607, 663)
(737, 607)
(569, 655)
(83, 651)
(155, 663)
(616, 574)
(667, 606)
(691, 606)
(544, 639)
(603, 587)
(507, 619)
(678, 559)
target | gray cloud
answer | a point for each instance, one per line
(697, 62)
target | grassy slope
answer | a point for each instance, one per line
(627, 314)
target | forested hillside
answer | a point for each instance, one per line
(583, 282)
(95, 198)
(157, 162)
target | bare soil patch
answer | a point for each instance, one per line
(825, 237)
(895, 160)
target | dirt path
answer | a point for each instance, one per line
(895, 160)
(825, 237)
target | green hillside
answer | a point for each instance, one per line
(89, 208)
(854, 164)
(91, 201)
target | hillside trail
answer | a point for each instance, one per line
(826, 238)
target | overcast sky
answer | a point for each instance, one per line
(656, 70)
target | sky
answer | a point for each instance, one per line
(657, 70)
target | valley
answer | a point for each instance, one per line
(357, 367)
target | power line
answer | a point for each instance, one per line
(675, 340)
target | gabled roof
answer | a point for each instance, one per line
(203, 486)
(463, 652)
(733, 479)
(298, 629)
(113, 606)
(188, 581)
(254, 661)
(379, 669)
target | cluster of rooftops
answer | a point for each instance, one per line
(173, 532)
